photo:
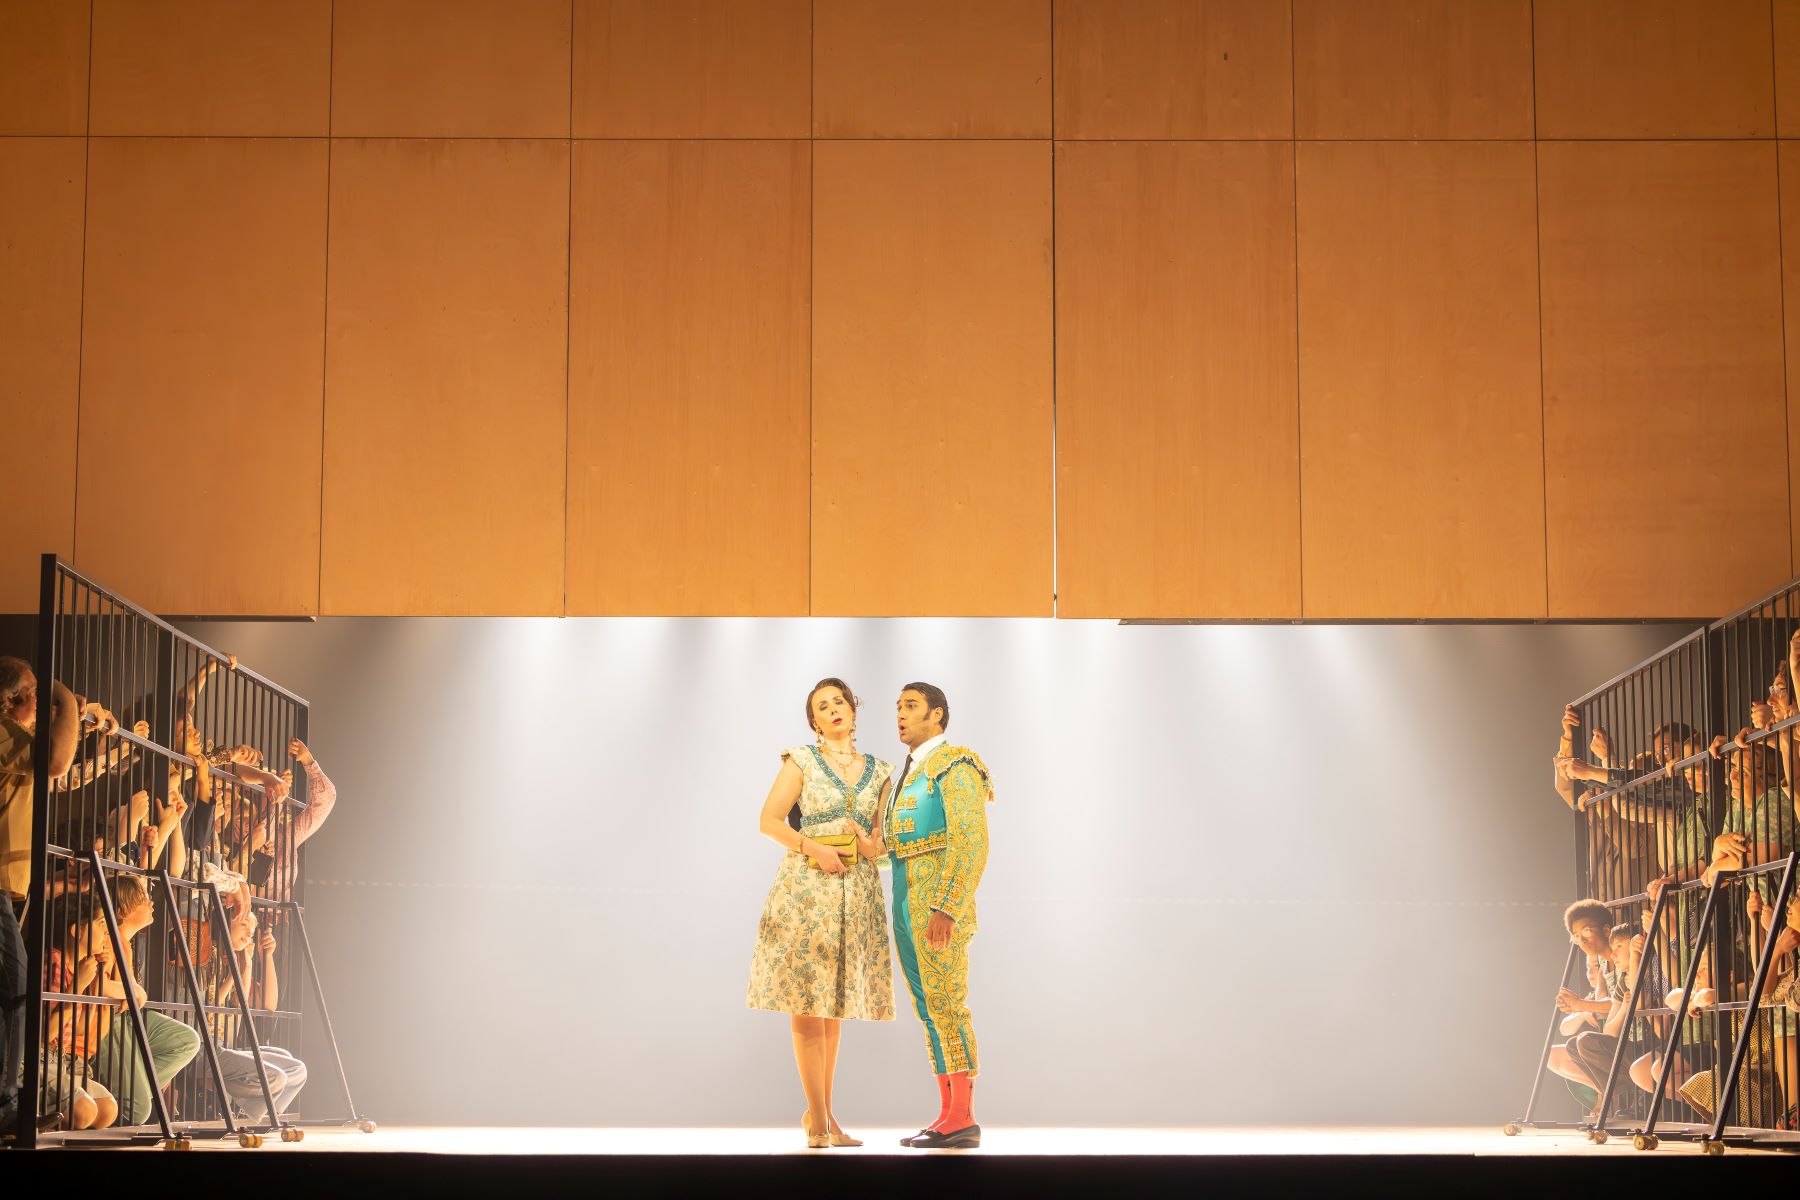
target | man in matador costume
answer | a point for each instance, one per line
(936, 833)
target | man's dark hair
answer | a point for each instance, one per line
(1587, 909)
(934, 698)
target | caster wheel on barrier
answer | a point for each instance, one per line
(1645, 1141)
(178, 1143)
(366, 1125)
(249, 1141)
(1713, 1149)
(291, 1134)
(1597, 1136)
(1510, 1130)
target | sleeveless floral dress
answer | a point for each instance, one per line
(822, 945)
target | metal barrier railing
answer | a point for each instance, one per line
(1637, 725)
(1557, 1058)
(1681, 773)
(173, 814)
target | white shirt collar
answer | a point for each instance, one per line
(923, 752)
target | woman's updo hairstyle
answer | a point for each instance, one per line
(829, 681)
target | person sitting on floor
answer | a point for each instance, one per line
(117, 1061)
(1590, 926)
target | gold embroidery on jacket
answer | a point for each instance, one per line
(930, 842)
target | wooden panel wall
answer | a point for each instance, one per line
(450, 68)
(42, 181)
(1421, 425)
(1413, 68)
(43, 67)
(931, 378)
(1174, 69)
(211, 67)
(693, 68)
(931, 68)
(446, 351)
(202, 326)
(1654, 69)
(1177, 463)
(515, 297)
(1664, 411)
(689, 462)
(1787, 67)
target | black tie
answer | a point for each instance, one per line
(904, 769)
(895, 798)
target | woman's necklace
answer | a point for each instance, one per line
(842, 757)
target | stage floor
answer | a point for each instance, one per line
(998, 1141)
(1030, 1163)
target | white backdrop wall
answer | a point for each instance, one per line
(1239, 874)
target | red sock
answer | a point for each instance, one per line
(943, 1102)
(961, 1112)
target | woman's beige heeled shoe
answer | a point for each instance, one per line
(829, 1138)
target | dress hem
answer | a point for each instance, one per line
(829, 1016)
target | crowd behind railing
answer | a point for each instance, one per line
(154, 798)
(1679, 1008)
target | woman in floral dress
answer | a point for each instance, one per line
(822, 947)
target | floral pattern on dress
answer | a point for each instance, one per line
(822, 945)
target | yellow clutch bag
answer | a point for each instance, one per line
(843, 843)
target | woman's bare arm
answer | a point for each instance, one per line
(784, 793)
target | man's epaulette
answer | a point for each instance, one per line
(947, 756)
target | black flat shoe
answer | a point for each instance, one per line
(913, 1140)
(955, 1139)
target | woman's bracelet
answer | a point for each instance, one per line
(800, 846)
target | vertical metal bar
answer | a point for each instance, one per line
(131, 1001)
(1673, 1043)
(1632, 828)
(109, 689)
(1726, 1083)
(1606, 821)
(1631, 1007)
(1714, 709)
(83, 670)
(25, 1132)
(1616, 701)
(312, 973)
(236, 717)
(1537, 1080)
(300, 715)
(1580, 824)
(243, 1001)
(202, 1025)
